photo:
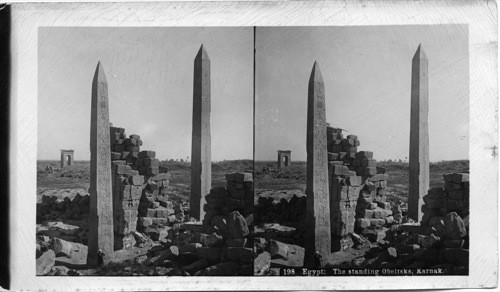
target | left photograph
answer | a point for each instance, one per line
(145, 151)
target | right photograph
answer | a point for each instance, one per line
(361, 158)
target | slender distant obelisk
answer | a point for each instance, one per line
(318, 233)
(101, 208)
(419, 135)
(201, 172)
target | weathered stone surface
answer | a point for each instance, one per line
(212, 253)
(193, 226)
(242, 254)
(261, 263)
(201, 172)
(236, 242)
(237, 225)
(190, 247)
(277, 248)
(454, 226)
(101, 209)
(419, 135)
(427, 240)
(318, 232)
(45, 262)
(197, 265)
(61, 247)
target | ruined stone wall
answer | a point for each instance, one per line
(138, 187)
(453, 197)
(236, 196)
(357, 189)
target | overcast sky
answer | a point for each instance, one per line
(150, 81)
(367, 75)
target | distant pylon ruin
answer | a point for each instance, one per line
(419, 135)
(201, 172)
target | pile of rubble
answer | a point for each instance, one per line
(410, 245)
(454, 197)
(220, 245)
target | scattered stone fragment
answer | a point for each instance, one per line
(45, 263)
(262, 263)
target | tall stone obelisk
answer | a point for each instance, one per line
(201, 171)
(419, 135)
(318, 233)
(101, 200)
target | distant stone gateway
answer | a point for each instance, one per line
(67, 157)
(284, 158)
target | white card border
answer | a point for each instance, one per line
(481, 17)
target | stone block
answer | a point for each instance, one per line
(332, 156)
(448, 177)
(364, 154)
(195, 227)
(237, 225)
(431, 203)
(239, 254)
(144, 221)
(376, 222)
(147, 154)
(455, 194)
(369, 171)
(238, 194)
(137, 180)
(454, 226)
(150, 162)
(367, 162)
(454, 204)
(354, 181)
(239, 176)
(158, 221)
(152, 170)
(368, 214)
(460, 177)
(132, 148)
(151, 212)
(129, 204)
(277, 248)
(61, 247)
(236, 242)
(363, 222)
(115, 155)
(166, 204)
(45, 263)
(336, 149)
(163, 212)
(211, 253)
(262, 263)
(118, 148)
